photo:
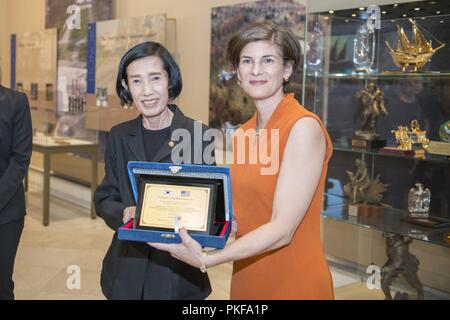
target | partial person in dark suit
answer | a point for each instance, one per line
(15, 153)
(149, 78)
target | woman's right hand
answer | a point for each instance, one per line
(128, 214)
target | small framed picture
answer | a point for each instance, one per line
(34, 91)
(49, 92)
(19, 86)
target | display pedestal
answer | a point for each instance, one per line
(437, 147)
(357, 210)
(357, 142)
(418, 153)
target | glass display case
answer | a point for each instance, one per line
(379, 78)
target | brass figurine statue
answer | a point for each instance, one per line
(407, 139)
(419, 199)
(400, 262)
(372, 103)
(412, 55)
(360, 189)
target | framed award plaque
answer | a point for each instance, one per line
(171, 203)
(169, 197)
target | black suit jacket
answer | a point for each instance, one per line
(16, 140)
(133, 270)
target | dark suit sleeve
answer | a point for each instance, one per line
(107, 200)
(21, 147)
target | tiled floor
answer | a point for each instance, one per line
(46, 255)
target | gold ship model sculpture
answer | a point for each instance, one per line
(412, 55)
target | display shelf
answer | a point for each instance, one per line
(390, 222)
(428, 156)
(381, 76)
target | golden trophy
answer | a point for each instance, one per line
(413, 54)
(412, 141)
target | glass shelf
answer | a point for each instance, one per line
(390, 222)
(428, 157)
(384, 75)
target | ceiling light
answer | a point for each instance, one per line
(416, 9)
(361, 9)
(395, 5)
(383, 12)
(437, 12)
(347, 20)
(331, 11)
(353, 14)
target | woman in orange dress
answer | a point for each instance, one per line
(278, 252)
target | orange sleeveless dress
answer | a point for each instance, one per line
(298, 270)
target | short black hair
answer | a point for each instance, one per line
(148, 49)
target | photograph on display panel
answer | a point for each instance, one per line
(71, 17)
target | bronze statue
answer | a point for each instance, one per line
(400, 262)
(372, 104)
(361, 189)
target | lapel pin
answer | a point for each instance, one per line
(171, 144)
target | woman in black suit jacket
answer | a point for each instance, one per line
(15, 152)
(149, 78)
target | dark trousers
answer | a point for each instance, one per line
(9, 242)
